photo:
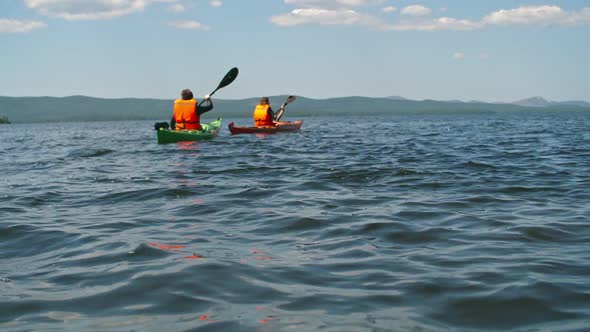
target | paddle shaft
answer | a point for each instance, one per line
(282, 109)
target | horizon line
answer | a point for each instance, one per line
(391, 97)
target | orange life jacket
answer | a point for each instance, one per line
(262, 116)
(185, 115)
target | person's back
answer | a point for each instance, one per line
(263, 114)
(187, 113)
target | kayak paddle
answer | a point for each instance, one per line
(290, 99)
(227, 79)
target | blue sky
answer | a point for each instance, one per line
(447, 49)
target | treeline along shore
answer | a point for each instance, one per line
(83, 108)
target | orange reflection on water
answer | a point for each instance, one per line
(193, 256)
(265, 320)
(194, 145)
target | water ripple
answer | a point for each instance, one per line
(399, 223)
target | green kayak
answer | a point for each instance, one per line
(209, 131)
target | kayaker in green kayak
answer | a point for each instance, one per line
(264, 115)
(187, 111)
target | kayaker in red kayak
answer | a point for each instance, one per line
(187, 111)
(264, 115)
(267, 121)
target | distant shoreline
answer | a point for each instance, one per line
(82, 108)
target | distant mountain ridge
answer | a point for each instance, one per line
(82, 108)
(542, 102)
(533, 102)
(396, 98)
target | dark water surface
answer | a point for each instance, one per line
(401, 223)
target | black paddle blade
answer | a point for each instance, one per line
(290, 99)
(228, 78)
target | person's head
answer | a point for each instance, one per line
(264, 100)
(186, 94)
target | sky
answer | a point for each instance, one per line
(445, 50)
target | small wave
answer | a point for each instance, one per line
(147, 252)
(475, 164)
(486, 199)
(500, 312)
(416, 215)
(88, 153)
(531, 189)
(381, 226)
(541, 233)
(8, 232)
(32, 240)
(405, 172)
(417, 237)
(354, 253)
(139, 196)
(40, 199)
(304, 224)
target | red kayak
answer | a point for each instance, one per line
(278, 127)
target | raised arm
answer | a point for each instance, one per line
(205, 107)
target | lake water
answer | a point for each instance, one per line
(389, 223)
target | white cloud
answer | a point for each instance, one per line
(351, 17)
(526, 15)
(18, 26)
(324, 14)
(388, 9)
(89, 9)
(333, 3)
(324, 17)
(416, 10)
(443, 23)
(177, 8)
(538, 15)
(216, 3)
(458, 56)
(191, 25)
